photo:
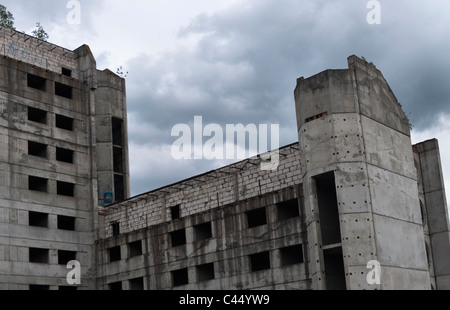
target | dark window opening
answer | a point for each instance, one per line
(38, 255)
(137, 284)
(37, 115)
(118, 159)
(178, 237)
(135, 248)
(64, 122)
(37, 149)
(119, 187)
(36, 82)
(64, 155)
(63, 90)
(117, 131)
(203, 231)
(66, 223)
(205, 272)
(175, 212)
(291, 255)
(37, 184)
(116, 286)
(115, 229)
(35, 287)
(66, 256)
(334, 269)
(180, 277)
(66, 72)
(288, 209)
(65, 189)
(37, 219)
(114, 254)
(256, 217)
(260, 261)
(328, 208)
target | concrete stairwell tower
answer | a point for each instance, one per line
(360, 182)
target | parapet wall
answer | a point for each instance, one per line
(215, 189)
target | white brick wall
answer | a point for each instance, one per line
(201, 193)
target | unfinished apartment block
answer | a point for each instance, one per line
(58, 125)
(352, 190)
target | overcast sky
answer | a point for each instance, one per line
(237, 61)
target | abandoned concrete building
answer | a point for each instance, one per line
(351, 191)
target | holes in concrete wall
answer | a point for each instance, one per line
(37, 184)
(288, 209)
(291, 255)
(320, 115)
(136, 284)
(203, 231)
(64, 122)
(114, 254)
(205, 272)
(63, 90)
(37, 115)
(65, 189)
(36, 82)
(115, 229)
(64, 155)
(256, 217)
(37, 149)
(66, 256)
(66, 223)
(175, 212)
(260, 261)
(116, 286)
(38, 255)
(178, 237)
(180, 277)
(135, 248)
(37, 219)
(66, 72)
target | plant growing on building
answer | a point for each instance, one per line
(40, 33)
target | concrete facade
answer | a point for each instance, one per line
(351, 191)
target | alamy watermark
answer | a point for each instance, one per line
(74, 15)
(222, 142)
(74, 275)
(374, 275)
(374, 16)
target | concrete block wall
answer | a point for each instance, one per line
(228, 249)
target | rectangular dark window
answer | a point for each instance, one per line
(178, 237)
(37, 115)
(137, 284)
(180, 277)
(36, 82)
(175, 212)
(114, 254)
(66, 72)
(64, 155)
(119, 187)
(288, 209)
(256, 217)
(38, 255)
(116, 286)
(117, 131)
(205, 272)
(135, 248)
(118, 159)
(260, 261)
(37, 219)
(63, 90)
(66, 256)
(64, 122)
(65, 189)
(203, 231)
(66, 223)
(291, 255)
(37, 184)
(115, 229)
(37, 149)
